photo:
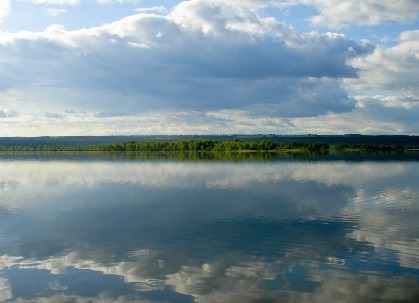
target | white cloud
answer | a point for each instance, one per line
(203, 59)
(395, 102)
(332, 14)
(151, 122)
(4, 9)
(57, 2)
(199, 57)
(338, 13)
(376, 117)
(55, 11)
(395, 68)
(155, 9)
(357, 121)
(7, 113)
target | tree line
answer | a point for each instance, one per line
(202, 145)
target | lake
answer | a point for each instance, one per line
(94, 227)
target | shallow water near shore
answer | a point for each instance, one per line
(96, 227)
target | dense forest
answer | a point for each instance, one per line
(212, 145)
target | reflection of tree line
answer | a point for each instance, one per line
(202, 145)
(159, 156)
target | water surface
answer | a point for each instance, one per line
(100, 228)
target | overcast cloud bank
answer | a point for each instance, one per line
(210, 67)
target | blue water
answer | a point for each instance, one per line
(105, 228)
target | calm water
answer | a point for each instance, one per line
(98, 228)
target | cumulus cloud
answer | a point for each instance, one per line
(337, 13)
(203, 59)
(393, 68)
(393, 72)
(332, 14)
(201, 56)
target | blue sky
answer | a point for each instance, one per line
(105, 67)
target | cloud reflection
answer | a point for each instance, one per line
(210, 232)
(49, 179)
(232, 280)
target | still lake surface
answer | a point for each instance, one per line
(162, 228)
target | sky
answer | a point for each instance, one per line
(141, 67)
